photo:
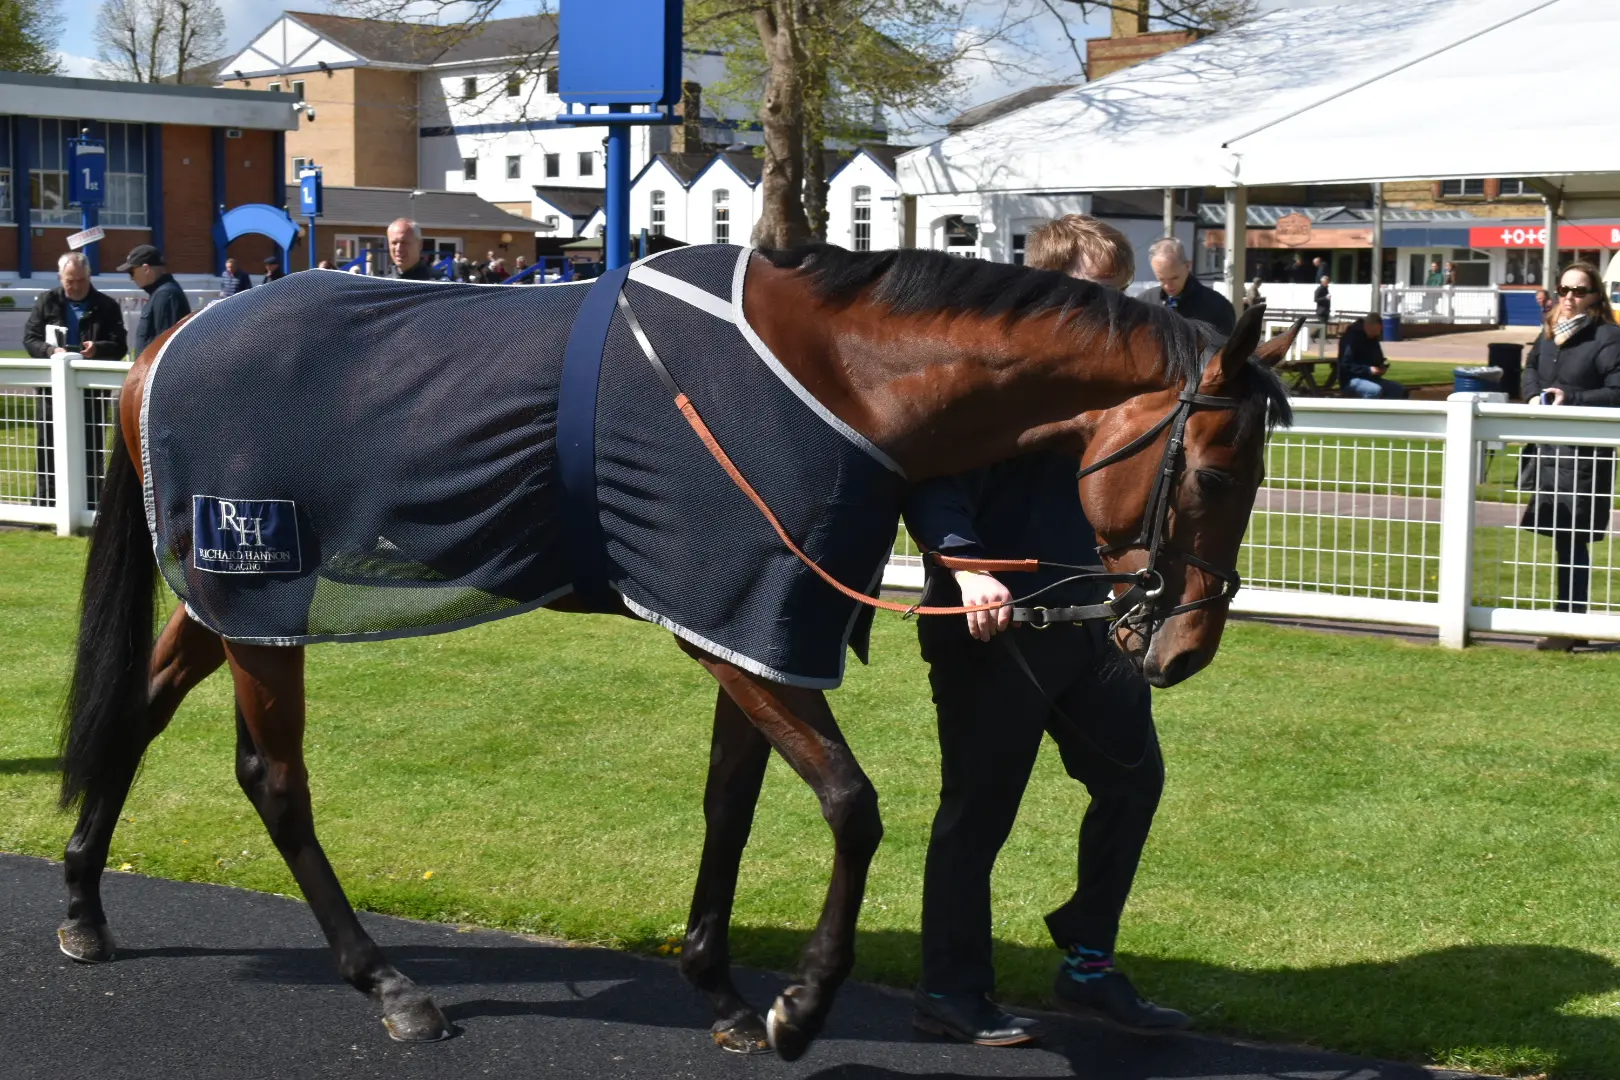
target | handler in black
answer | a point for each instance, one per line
(93, 320)
(405, 251)
(991, 718)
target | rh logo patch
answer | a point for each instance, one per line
(245, 536)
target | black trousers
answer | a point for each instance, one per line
(1574, 571)
(991, 721)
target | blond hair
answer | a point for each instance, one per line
(1600, 311)
(1081, 246)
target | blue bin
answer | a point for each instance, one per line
(1392, 328)
(1476, 380)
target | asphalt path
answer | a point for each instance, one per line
(217, 982)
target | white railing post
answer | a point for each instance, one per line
(1457, 524)
(67, 415)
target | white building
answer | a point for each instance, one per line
(402, 105)
(864, 204)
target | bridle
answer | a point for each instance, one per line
(1145, 611)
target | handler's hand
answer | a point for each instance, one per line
(88, 349)
(984, 589)
(1379, 371)
(1557, 395)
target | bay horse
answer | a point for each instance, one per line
(945, 365)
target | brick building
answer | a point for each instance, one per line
(177, 156)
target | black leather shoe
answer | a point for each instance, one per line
(971, 1018)
(1110, 996)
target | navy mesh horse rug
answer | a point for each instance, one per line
(335, 457)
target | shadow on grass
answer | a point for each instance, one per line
(1498, 1007)
(26, 765)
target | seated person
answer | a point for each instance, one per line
(1361, 361)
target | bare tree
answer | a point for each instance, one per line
(157, 40)
(1198, 17)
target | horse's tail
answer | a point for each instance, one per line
(106, 703)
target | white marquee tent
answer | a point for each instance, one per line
(1348, 92)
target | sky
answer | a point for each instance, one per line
(1039, 55)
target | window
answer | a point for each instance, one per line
(298, 89)
(274, 88)
(550, 77)
(961, 236)
(587, 163)
(722, 216)
(657, 214)
(469, 168)
(514, 167)
(125, 201)
(1018, 248)
(469, 89)
(514, 85)
(1524, 266)
(298, 164)
(1513, 189)
(861, 220)
(553, 164)
(1462, 189)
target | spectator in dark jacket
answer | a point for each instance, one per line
(93, 324)
(272, 269)
(1361, 361)
(167, 303)
(1324, 300)
(1185, 294)
(405, 251)
(1575, 361)
(234, 280)
(1299, 273)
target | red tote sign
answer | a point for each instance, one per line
(1535, 236)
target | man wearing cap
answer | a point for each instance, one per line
(167, 304)
(272, 269)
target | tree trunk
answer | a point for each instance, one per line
(815, 158)
(782, 221)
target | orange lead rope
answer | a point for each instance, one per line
(976, 565)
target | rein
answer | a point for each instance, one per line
(1133, 608)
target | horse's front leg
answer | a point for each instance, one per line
(800, 725)
(270, 768)
(737, 757)
(185, 654)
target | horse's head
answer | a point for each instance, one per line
(1168, 480)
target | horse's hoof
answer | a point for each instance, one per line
(84, 943)
(742, 1035)
(416, 1019)
(786, 1036)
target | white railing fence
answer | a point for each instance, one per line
(1405, 512)
(57, 418)
(1409, 512)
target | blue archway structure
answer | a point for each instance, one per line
(260, 219)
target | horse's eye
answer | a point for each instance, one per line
(1211, 482)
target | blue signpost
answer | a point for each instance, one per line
(87, 188)
(619, 56)
(310, 195)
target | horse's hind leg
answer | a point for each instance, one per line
(185, 654)
(737, 757)
(270, 767)
(801, 727)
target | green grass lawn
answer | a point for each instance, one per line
(1365, 845)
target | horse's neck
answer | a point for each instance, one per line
(943, 394)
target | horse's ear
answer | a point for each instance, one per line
(1270, 353)
(1229, 362)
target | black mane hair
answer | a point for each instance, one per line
(913, 281)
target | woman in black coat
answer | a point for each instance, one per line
(1575, 361)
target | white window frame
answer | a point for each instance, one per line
(469, 168)
(514, 166)
(860, 219)
(553, 166)
(587, 163)
(656, 208)
(721, 201)
(469, 88)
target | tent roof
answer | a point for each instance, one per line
(1373, 90)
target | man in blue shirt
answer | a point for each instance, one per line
(997, 689)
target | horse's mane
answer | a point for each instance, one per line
(914, 281)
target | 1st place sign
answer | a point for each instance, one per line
(87, 178)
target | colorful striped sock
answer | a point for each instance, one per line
(1083, 964)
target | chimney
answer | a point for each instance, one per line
(687, 136)
(1127, 23)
